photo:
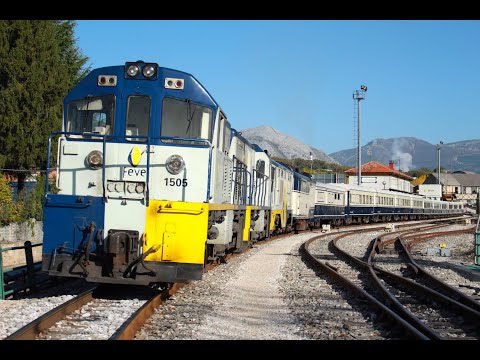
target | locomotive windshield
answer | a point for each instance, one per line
(94, 115)
(138, 117)
(185, 119)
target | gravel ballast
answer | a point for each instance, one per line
(266, 293)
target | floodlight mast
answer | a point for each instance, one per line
(359, 95)
(438, 146)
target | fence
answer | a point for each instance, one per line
(15, 279)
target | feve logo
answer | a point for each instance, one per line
(135, 156)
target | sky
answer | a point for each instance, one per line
(298, 76)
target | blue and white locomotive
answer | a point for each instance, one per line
(153, 181)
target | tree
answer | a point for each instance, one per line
(419, 172)
(318, 166)
(39, 64)
(9, 211)
(71, 55)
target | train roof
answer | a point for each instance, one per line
(347, 187)
(239, 135)
(119, 71)
(331, 186)
(258, 148)
(282, 165)
(303, 176)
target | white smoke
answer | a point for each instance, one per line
(403, 159)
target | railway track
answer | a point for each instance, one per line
(350, 279)
(437, 315)
(388, 295)
(44, 322)
(402, 245)
(41, 327)
(83, 315)
(423, 275)
(130, 327)
(44, 326)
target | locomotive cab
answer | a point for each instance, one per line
(134, 167)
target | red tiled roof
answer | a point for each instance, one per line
(374, 167)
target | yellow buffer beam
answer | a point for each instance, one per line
(179, 229)
(246, 228)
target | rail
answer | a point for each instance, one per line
(404, 250)
(32, 329)
(328, 269)
(395, 285)
(134, 323)
(10, 274)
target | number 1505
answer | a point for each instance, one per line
(175, 182)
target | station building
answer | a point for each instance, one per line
(380, 176)
(458, 185)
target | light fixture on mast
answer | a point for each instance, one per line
(359, 95)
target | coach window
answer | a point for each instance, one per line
(307, 187)
(223, 138)
(91, 115)
(227, 137)
(186, 119)
(219, 129)
(260, 167)
(138, 117)
(321, 196)
(296, 183)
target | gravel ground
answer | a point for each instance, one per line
(286, 300)
(97, 320)
(265, 293)
(18, 313)
(462, 249)
(325, 310)
(237, 307)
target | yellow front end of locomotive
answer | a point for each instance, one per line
(178, 230)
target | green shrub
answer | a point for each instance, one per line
(32, 204)
(9, 210)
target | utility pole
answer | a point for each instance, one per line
(438, 146)
(359, 95)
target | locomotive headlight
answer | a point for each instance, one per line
(139, 188)
(133, 70)
(119, 186)
(175, 164)
(131, 187)
(148, 71)
(95, 159)
(110, 186)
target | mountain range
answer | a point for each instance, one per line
(282, 145)
(411, 153)
(408, 153)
